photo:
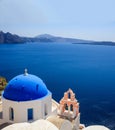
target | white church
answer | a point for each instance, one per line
(27, 104)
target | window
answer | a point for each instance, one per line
(11, 113)
(45, 110)
(30, 114)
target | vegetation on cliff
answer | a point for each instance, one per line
(3, 84)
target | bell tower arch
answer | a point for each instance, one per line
(69, 109)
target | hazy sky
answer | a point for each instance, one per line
(86, 19)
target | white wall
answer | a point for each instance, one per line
(66, 125)
(20, 109)
(76, 122)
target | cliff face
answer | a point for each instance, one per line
(10, 38)
(1, 37)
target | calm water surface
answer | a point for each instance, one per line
(88, 70)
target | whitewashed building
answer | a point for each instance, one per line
(26, 99)
(26, 103)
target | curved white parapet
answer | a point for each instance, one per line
(37, 125)
(96, 127)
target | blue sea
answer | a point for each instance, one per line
(89, 70)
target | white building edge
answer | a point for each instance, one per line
(27, 104)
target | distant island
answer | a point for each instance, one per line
(107, 43)
(14, 39)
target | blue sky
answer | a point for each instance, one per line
(85, 19)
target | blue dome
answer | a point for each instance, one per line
(25, 88)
